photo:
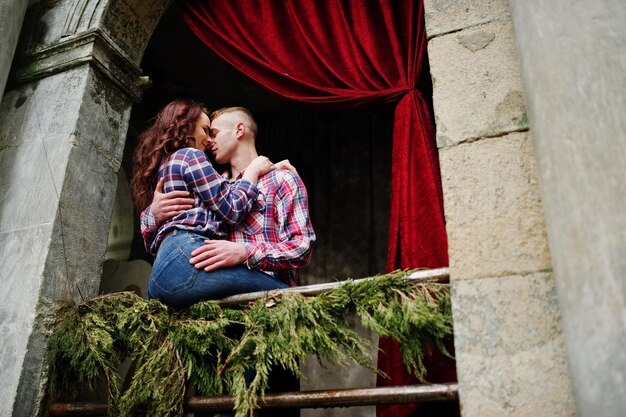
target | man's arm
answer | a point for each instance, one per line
(215, 254)
(167, 205)
(164, 206)
(294, 237)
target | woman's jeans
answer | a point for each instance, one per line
(176, 282)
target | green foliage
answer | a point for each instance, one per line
(211, 348)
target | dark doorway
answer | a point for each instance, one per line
(343, 157)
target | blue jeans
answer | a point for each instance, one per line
(176, 282)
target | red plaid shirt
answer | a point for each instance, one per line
(277, 233)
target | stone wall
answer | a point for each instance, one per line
(573, 56)
(58, 176)
(11, 17)
(509, 345)
(63, 122)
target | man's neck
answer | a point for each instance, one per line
(240, 161)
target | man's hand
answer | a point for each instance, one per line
(166, 206)
(218, 254)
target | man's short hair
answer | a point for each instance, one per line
(247, 117)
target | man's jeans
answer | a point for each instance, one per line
(176, 282)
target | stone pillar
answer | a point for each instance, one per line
(58, 177)
(573, 56)
(509, 346)
(11, 18)
(63, 122)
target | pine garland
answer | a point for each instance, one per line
(212, 348)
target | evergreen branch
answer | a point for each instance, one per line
(227, 350)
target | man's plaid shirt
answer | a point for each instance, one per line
(277, 233)
(216, 199)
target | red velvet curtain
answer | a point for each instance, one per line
(344, 54)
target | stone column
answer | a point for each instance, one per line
(11, 18)
(509, 346)
(573, 57)
(63, 122)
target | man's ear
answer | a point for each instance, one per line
(240, 129)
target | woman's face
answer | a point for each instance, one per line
(201, 132)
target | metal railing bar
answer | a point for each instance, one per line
(302, 399)
(438, 275)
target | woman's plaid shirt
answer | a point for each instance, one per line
(216, 199)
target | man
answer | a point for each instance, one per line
(276, 236)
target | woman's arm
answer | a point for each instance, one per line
(229, 201)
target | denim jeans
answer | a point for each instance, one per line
(176, 282)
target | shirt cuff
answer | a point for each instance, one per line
(149, 220)
(254, 256)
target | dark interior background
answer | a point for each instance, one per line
(344, 158)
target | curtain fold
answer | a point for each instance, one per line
(309, 51)
(416, 230)
(342, 54)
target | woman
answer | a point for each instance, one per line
(173, 149)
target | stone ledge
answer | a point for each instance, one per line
(94, 47)
(449, 16)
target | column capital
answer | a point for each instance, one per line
(92, 47)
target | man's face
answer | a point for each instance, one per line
(223, 142)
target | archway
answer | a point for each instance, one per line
(343, 158)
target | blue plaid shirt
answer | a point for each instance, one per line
(216, 199)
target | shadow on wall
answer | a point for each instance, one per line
(118, 272)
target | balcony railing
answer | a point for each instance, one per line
(303, 399)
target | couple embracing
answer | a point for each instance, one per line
(214, 234)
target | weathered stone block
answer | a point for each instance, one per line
(43, 24)
(13, 109)
(131, 22)
(443, 16)
(494, 216)
(11, 18)
(574, 70)
(23, 256)
(36, 128)
(36, 134)
(477, 90)
(509, 347)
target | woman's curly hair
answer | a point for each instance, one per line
(172, 130)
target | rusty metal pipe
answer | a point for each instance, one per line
(337, 398)
(78, 409)
(302, 399)
(437, 275)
